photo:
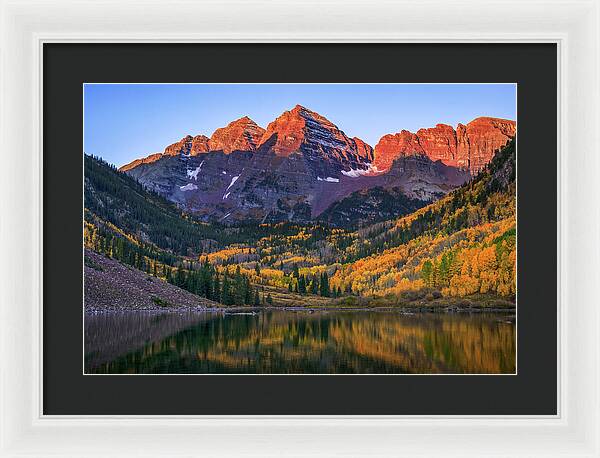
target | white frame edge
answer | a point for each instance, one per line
(26, 25)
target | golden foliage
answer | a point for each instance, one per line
(479, 259)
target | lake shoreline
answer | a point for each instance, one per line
(325, 309)
(111, 286)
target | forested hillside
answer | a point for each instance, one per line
(116, 198)
(462, 244)
(369, 206)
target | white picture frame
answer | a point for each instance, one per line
(26, 25)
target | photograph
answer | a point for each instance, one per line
(299, 229)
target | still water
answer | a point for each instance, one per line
(298, 342)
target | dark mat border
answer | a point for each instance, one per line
(532, 392)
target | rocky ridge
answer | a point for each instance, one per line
(469, 147)
(240, 135)
(302, 163)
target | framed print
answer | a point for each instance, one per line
(246, 241)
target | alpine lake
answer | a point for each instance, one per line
(290, 341)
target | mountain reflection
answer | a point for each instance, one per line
(287, 342)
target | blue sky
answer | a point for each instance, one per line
(127, 121)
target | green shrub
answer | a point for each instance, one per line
(161, 302)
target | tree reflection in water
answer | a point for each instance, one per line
(288, 342)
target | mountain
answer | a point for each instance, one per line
(240, 135)
(117, 206)
(317, 138)
(468, 147)
(188, 146)
(116, 203)
(489, 197)
(302, 164)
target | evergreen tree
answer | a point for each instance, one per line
(302, 284)
(324, 290)
(205, 283)
(314, 285)
(180, 277)
(443, 270)
(226, 296)
(191, 283)
(427, 273)
(248, 296)
(217, 289)
(238, 287)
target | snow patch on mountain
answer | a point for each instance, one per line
(354, 173)
(233, 180)
(194, 173)
(373, 169)
(188, 187)
(329, 179)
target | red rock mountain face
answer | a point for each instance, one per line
(468, 147)
(302, 164)
(188, 146)
(393, 146)
(484, 136)
(301, 129)
(364, 150)
(240, 135)
(439, 142)
(145, 160)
